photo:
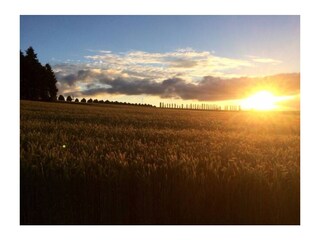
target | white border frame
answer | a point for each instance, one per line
(310, 122)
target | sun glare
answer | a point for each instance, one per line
(262, 101)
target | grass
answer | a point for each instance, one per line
(108, 164)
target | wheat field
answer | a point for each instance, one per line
(111, 164)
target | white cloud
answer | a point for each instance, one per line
(264, 60)
(168, 64)
(187, 63)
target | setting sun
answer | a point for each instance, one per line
(263, 100)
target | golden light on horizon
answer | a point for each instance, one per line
(262, 101)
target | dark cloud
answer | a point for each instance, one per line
(69, 79)
(126, 86)
(219, 89)
(81, 75)
(209, 88)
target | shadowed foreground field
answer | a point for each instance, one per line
(105, 164)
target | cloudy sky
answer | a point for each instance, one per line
(149, 59)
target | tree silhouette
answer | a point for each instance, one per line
(77, 100)
(24, 90)
(51, 83)
(61, 98)
(37, 82)
(89, 101)
(69, 99)
(30, 75)
(83, 100)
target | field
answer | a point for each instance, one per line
(110, 164)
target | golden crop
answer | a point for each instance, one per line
(106, 164)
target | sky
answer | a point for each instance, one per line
(152, 59)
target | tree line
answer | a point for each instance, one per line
(61, 98)
(202, 106)
(37, 82)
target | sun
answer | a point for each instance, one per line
(261, 101)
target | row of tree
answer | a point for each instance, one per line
(83, 100)
(37, 82)
(232, 108)
(202, 106)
